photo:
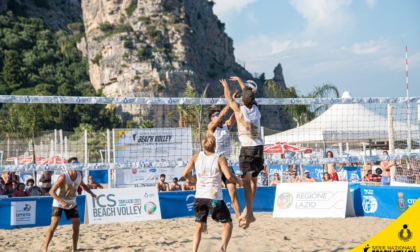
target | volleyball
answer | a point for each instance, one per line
(252, 85)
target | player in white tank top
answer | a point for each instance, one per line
(208, 199)
(251, 159)
(221, 132)
(64, 193)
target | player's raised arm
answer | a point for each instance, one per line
(233, 105)
(239, 80)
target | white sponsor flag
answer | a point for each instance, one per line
(316, 200)
(22, 213)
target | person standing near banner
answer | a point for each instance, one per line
(386, 170)
(221, 132)
(209, 168)
(64, 193)
(251, 157)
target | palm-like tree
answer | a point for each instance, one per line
(302, 114)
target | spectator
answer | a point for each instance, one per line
(8, 189)
(264, 176)
(276, 179)
(14, 185)
(307, 177)
(46, 181)
(2, 186)
(20, 192)
(369, 176)
(32, 189)
(331, 167)
(176, 186)
(386, 170)
(400, 177)
(162, 186)
(188, 185)
(10, 176)
(92, 184)
(294, 178)
(326, 177)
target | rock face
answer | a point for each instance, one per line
(153, 48)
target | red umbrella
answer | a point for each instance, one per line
(272, 149)
(284, 147)
(26, 160)
(54, 160)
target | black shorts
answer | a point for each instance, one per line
(251, 159)
(217, 208)
(225, 180)
(70, 213)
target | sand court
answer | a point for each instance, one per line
(266, 234)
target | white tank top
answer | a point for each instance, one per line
(68, 191)
(249, 126)
(223, 144)
(209, 177)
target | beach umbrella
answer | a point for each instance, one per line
(25, 160)
(282, 147)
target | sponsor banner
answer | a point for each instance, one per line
(386, 201)
(123, 205)
(147, 176)
(319, 200)
(169, 144)
(352, 174)
(402, 235)
(22, 213)
(167, 148)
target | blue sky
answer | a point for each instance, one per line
(357, 45)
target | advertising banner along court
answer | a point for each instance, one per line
(316, 200)
(22, 213)
(123, 205)
(155, 151)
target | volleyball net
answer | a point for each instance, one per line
(40, 133)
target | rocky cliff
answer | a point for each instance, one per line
(151, 48)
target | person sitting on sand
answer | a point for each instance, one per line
(208, 197)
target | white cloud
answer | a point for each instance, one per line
(371, 3)
(369, 47)
(284, 45)
(323, 15)
(226, 7)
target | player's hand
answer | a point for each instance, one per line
(65, 205)
(235, 78)
(224, 83)
(240, 182)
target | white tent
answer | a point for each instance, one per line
(344, 123)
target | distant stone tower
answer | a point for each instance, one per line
(3, 5)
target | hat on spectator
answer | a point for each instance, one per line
(306, 171)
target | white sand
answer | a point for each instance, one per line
(266, 234)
